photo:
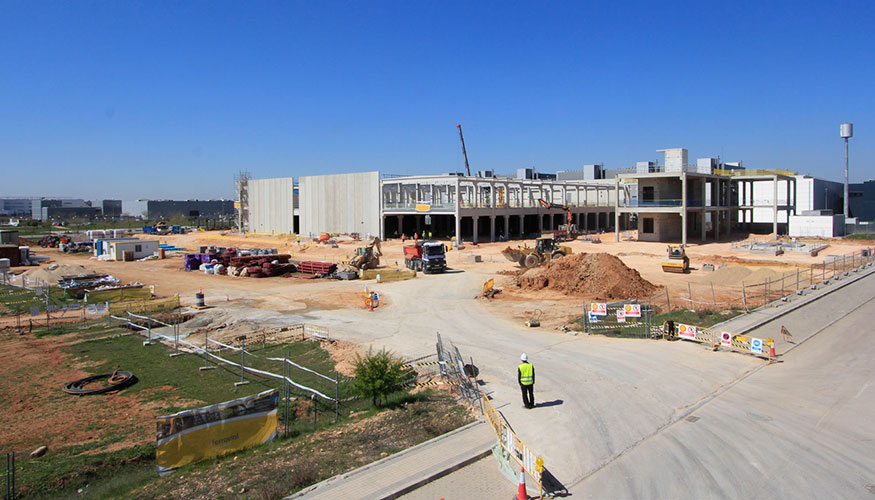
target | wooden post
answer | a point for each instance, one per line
(667, 299)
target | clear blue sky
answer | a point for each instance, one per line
(170, 99)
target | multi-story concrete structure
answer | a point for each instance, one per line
(39, 206)
(210, 209)
(16, 207)
(483, 208)
(110, 208)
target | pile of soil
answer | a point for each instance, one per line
(52, 276)
(597, 275)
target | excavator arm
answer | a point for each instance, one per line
(547, 204)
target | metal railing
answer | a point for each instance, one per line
(513, 446)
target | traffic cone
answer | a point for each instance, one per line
(772, 350)
(521, 491)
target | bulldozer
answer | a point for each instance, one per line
(677, 261)
(367, 257)
(545, 249)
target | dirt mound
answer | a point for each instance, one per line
(52, 276)
(597, 275)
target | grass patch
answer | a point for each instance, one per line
(697, 318)
(861, 236)
(21, 300)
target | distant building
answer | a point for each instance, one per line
(16, 207)
(861, 200)
(110, 208)
(39, 206)
(207, 209)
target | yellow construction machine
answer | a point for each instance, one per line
(367, 257)
(545, 249)
(677, 261)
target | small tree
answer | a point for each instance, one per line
(377, 375)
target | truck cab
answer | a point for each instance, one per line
(426, 256)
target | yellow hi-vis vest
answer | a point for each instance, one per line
(527, 374)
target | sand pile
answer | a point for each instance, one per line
(738, 275)
(52, 276)
(597, 275)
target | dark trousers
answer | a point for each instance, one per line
(528, 395)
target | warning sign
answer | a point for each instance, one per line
(756, 345)
(621, 316)
(632, 310)
(599, 308)
(726, 339)
(687, 331)
(593, 318)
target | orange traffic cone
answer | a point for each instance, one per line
(772, 350)
(521, 491)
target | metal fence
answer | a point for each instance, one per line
(832, 268)
(513, 446)
(456, 372)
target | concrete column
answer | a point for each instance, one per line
(507, 226)
(492, 228)
(418, 225)
(716, 225)
(702, 228)
(684, 209)
(474, 220)
(775, 208)
(458, 219)
(400, 225)
(540, 222)
(616, 209)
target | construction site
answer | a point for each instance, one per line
(287, 317)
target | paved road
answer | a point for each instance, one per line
(604, 394)
(803, 428)
(800, 428)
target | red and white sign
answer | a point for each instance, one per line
(621, 316)
(599, 308)
(686, 331)
(632, 310)
(726, 339)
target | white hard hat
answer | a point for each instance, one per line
(524, 357)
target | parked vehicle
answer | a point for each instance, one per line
(426, 256)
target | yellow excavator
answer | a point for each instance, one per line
(367, 257)
(545, 249)
(677, 261)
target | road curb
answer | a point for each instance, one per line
(397, 456)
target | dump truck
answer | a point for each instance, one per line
(545, 249)
(677, 261)
(426, 256)
(367, 257)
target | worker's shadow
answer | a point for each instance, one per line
(545, 404)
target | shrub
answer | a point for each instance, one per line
(377, 375)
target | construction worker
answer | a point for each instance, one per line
(526, 378)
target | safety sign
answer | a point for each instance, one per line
(599, 308)
(632, 310)
(756, 345)
(726, 339)
(593, 318)
(621, 316)
(686, 331)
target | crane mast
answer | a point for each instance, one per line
(464, 153)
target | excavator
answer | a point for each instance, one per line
(545, 249)
(367, 257)
(677, 261)
(565, 232)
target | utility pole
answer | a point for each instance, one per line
(847, 131)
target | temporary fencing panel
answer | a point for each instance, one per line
(741, 343)
(452, 369)
(214, 431)
(618, 319)
(320, 332)
(161, 304)
(513, 445)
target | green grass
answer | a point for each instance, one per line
(116, 474)
(861, 236)
(697, 318)
(21, 300)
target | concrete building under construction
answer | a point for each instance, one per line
(478, 208)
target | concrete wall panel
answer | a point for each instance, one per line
(271, 205)
(340, 203)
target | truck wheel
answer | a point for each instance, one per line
(531, 260)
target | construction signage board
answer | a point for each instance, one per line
(213, 431)
(756, 345)
(599, 308)
(621, 316)
(687, 331)
(726, 339)
(632, 310)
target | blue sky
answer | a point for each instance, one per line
(171, 99)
